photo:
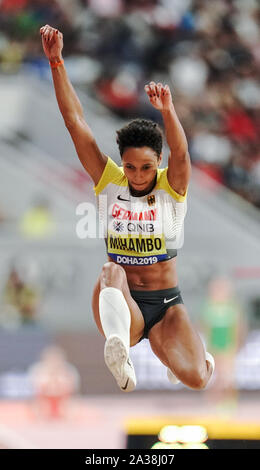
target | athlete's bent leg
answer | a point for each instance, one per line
(114, 314)
(114, 321)
(113, 275)
(177, 344)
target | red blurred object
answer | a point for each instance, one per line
(117, 97)
(12, 5)
(211, 170)
(240, 126)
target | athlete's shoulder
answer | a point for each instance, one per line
(163, 184)
(112, 174)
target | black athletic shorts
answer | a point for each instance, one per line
(154, 304)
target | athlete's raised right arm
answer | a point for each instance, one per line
(91, 157)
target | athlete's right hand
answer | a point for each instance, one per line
(52, 42)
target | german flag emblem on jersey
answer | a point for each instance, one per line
(151, 200)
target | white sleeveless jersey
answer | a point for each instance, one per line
(139, 230)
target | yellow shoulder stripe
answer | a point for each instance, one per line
(163, 183)
(112, 174)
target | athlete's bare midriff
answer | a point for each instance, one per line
(162, 275)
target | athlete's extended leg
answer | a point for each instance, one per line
(119, 319)
(177, 344)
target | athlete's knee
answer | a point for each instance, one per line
(198, 379)
(112, 275)
(112, 269)
(193, 376)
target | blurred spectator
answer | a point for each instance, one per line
(20, 21)
(54, 381)
(20, 300)
(106, 8)
(224, 329)
(11, 6)
(189, 74)
(38, 222)
(21, 18)
(12, 56)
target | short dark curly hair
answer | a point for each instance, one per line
(140, 133)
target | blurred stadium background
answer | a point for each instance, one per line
(208, 52)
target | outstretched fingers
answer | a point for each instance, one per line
(151, 90)
(166, 90)
(158, 90)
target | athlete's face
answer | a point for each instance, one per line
(140, 167)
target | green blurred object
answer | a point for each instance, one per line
(221, 320)
(25, 24)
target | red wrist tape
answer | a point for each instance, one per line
(54, 65)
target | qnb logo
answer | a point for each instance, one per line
(118, 226)
(132, 227)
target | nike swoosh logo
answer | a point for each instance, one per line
(121, 199)
(169, 300)
(125, 387)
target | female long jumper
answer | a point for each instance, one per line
(137, 295)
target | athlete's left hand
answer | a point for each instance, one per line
(159, 95)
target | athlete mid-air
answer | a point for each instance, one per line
(137, 295)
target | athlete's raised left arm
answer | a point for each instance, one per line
(179, 164)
